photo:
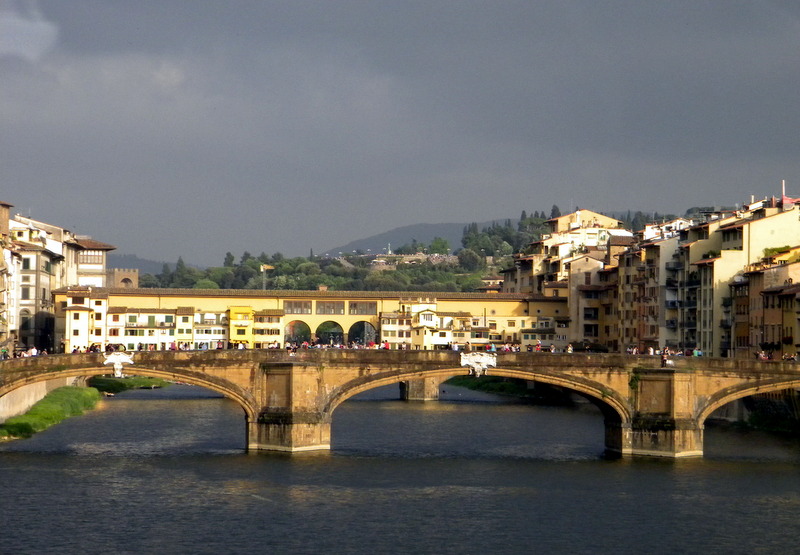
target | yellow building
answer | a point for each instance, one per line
(158, 319)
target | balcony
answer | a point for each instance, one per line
(162, 325)
(672, 304)
(672, 283)
(674, 266)
(671, 324)
(725, 323)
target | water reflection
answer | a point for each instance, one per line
(165, 472)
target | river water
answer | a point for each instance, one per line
(164, 472)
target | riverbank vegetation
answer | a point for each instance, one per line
(56, 406)
(107, 384)
(539, 393)
(442, 267)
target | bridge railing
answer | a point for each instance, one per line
(397, 357)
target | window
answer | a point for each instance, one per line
(76, 316)
(25, 293)
(26, 262)
(363, 307)
(330, 307)
(90, 257)
(297, 307)
(98, 316)
(75, 332)
(78, 300)
(98, 303)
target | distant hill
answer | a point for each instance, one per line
(423, 233)
(133, 261)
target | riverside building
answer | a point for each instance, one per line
(158, 319)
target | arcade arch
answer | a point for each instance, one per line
(363, 333)
(330, 333)
(297, 331)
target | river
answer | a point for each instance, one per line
(164, 472)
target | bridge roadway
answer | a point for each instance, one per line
(289, 401)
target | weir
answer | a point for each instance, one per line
(289, 398)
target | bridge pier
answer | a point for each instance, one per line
(289, 432)
(423, 389)
(289, 418)
(666, 437)
(664, 423)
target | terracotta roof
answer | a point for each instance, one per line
(79, 307)
(150, 311)
(90, 244)
(287, 294)
(621, 240)
(455, 314)
(706, 261)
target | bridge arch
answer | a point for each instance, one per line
(221, 386)
(614, 408)
(727, 396)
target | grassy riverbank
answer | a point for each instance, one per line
(540, 394)
(107, 384)
(57, 405)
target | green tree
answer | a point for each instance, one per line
(308, 268)
(165, 277)
(555, 212)
(439, 246)
(229, 260)
(149, 281)
(183, 276)
(206, 283)
(470, 260)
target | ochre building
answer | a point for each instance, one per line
(160, 319)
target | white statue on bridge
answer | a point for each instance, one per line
(478, 362)
(118, 358)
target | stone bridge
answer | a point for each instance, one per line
(289, 400)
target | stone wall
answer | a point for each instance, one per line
(20, 400)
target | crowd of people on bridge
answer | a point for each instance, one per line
(5, 354)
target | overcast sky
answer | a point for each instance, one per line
(173, 128)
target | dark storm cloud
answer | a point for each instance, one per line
(171, 127)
